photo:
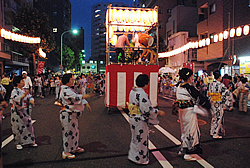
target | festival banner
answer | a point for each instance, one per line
(40, 67)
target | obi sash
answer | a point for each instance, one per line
(133, 109)
(214, 96)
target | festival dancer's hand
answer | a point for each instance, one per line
(32, 102)
(161, 113)
(88, 107)
(4, 104)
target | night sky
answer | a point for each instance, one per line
(81, 17)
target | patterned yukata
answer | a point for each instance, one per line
(83, 85)
(139, 152)
(57, 83)
(21, 122)
(242, 93)
(187, 96)
(2, 89)
(218, 94)
(74, 106)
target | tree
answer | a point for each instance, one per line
(33, 23)
(68, 57)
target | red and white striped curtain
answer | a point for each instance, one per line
(121, 78)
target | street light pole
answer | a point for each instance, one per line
(74, 31)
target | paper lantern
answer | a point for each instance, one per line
(238, 31)
(150, 16)
(220, 36)
(132, 16)
(155, 17)
(208, 41)
(114, 15)
(225, 34)
(120, 28)
(126, 16)
(216, 37)
(246, 30)
(120, 16)
(138, 15)
(232, 32)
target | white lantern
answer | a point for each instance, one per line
(220, 36)
(232, 32)
(216, 37)
(225, 34)
(126, 16)
(238, 31)
(246, 30)
(138, 15)
(208, 41)
(132, 16)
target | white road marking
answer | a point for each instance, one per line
(162, 160)
(10, 138)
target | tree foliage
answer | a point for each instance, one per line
(33, 23)
(68, 57)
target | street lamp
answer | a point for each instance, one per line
(74, 32)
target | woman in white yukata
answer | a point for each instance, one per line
(218, 94)
(57, 83)
(72, 108)
(21, 122)
(139, 152)
(187, 97)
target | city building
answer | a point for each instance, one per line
(216, 16)
(59, 12)
(98, 29)
(11, 60)
(181, 29)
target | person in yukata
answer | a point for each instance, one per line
(140, 119)
(242, 93)
(57, 83)
(187, 98)
(3, 103)
(218, 94)
(21, 122)
(72, 106)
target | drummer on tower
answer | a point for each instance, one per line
(119, 47)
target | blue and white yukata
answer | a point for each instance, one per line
(139, 152)
(217, 111)
(21, 122)
(188, 96)
(69, 114)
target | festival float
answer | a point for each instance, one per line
(120, 78)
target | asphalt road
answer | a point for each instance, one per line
(106, 137)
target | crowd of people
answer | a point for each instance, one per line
(203, 95)
(236, 85)
(20, 91)
(208, 96)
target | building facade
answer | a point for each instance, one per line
(181, 28)
(59, 12)
(217, 16)
(98, 30)
(11, 60)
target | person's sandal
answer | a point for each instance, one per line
(78, 150)
(19, 147)
(69, 155)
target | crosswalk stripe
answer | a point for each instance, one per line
(177, 142)
(162, 160)
(10, 138)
